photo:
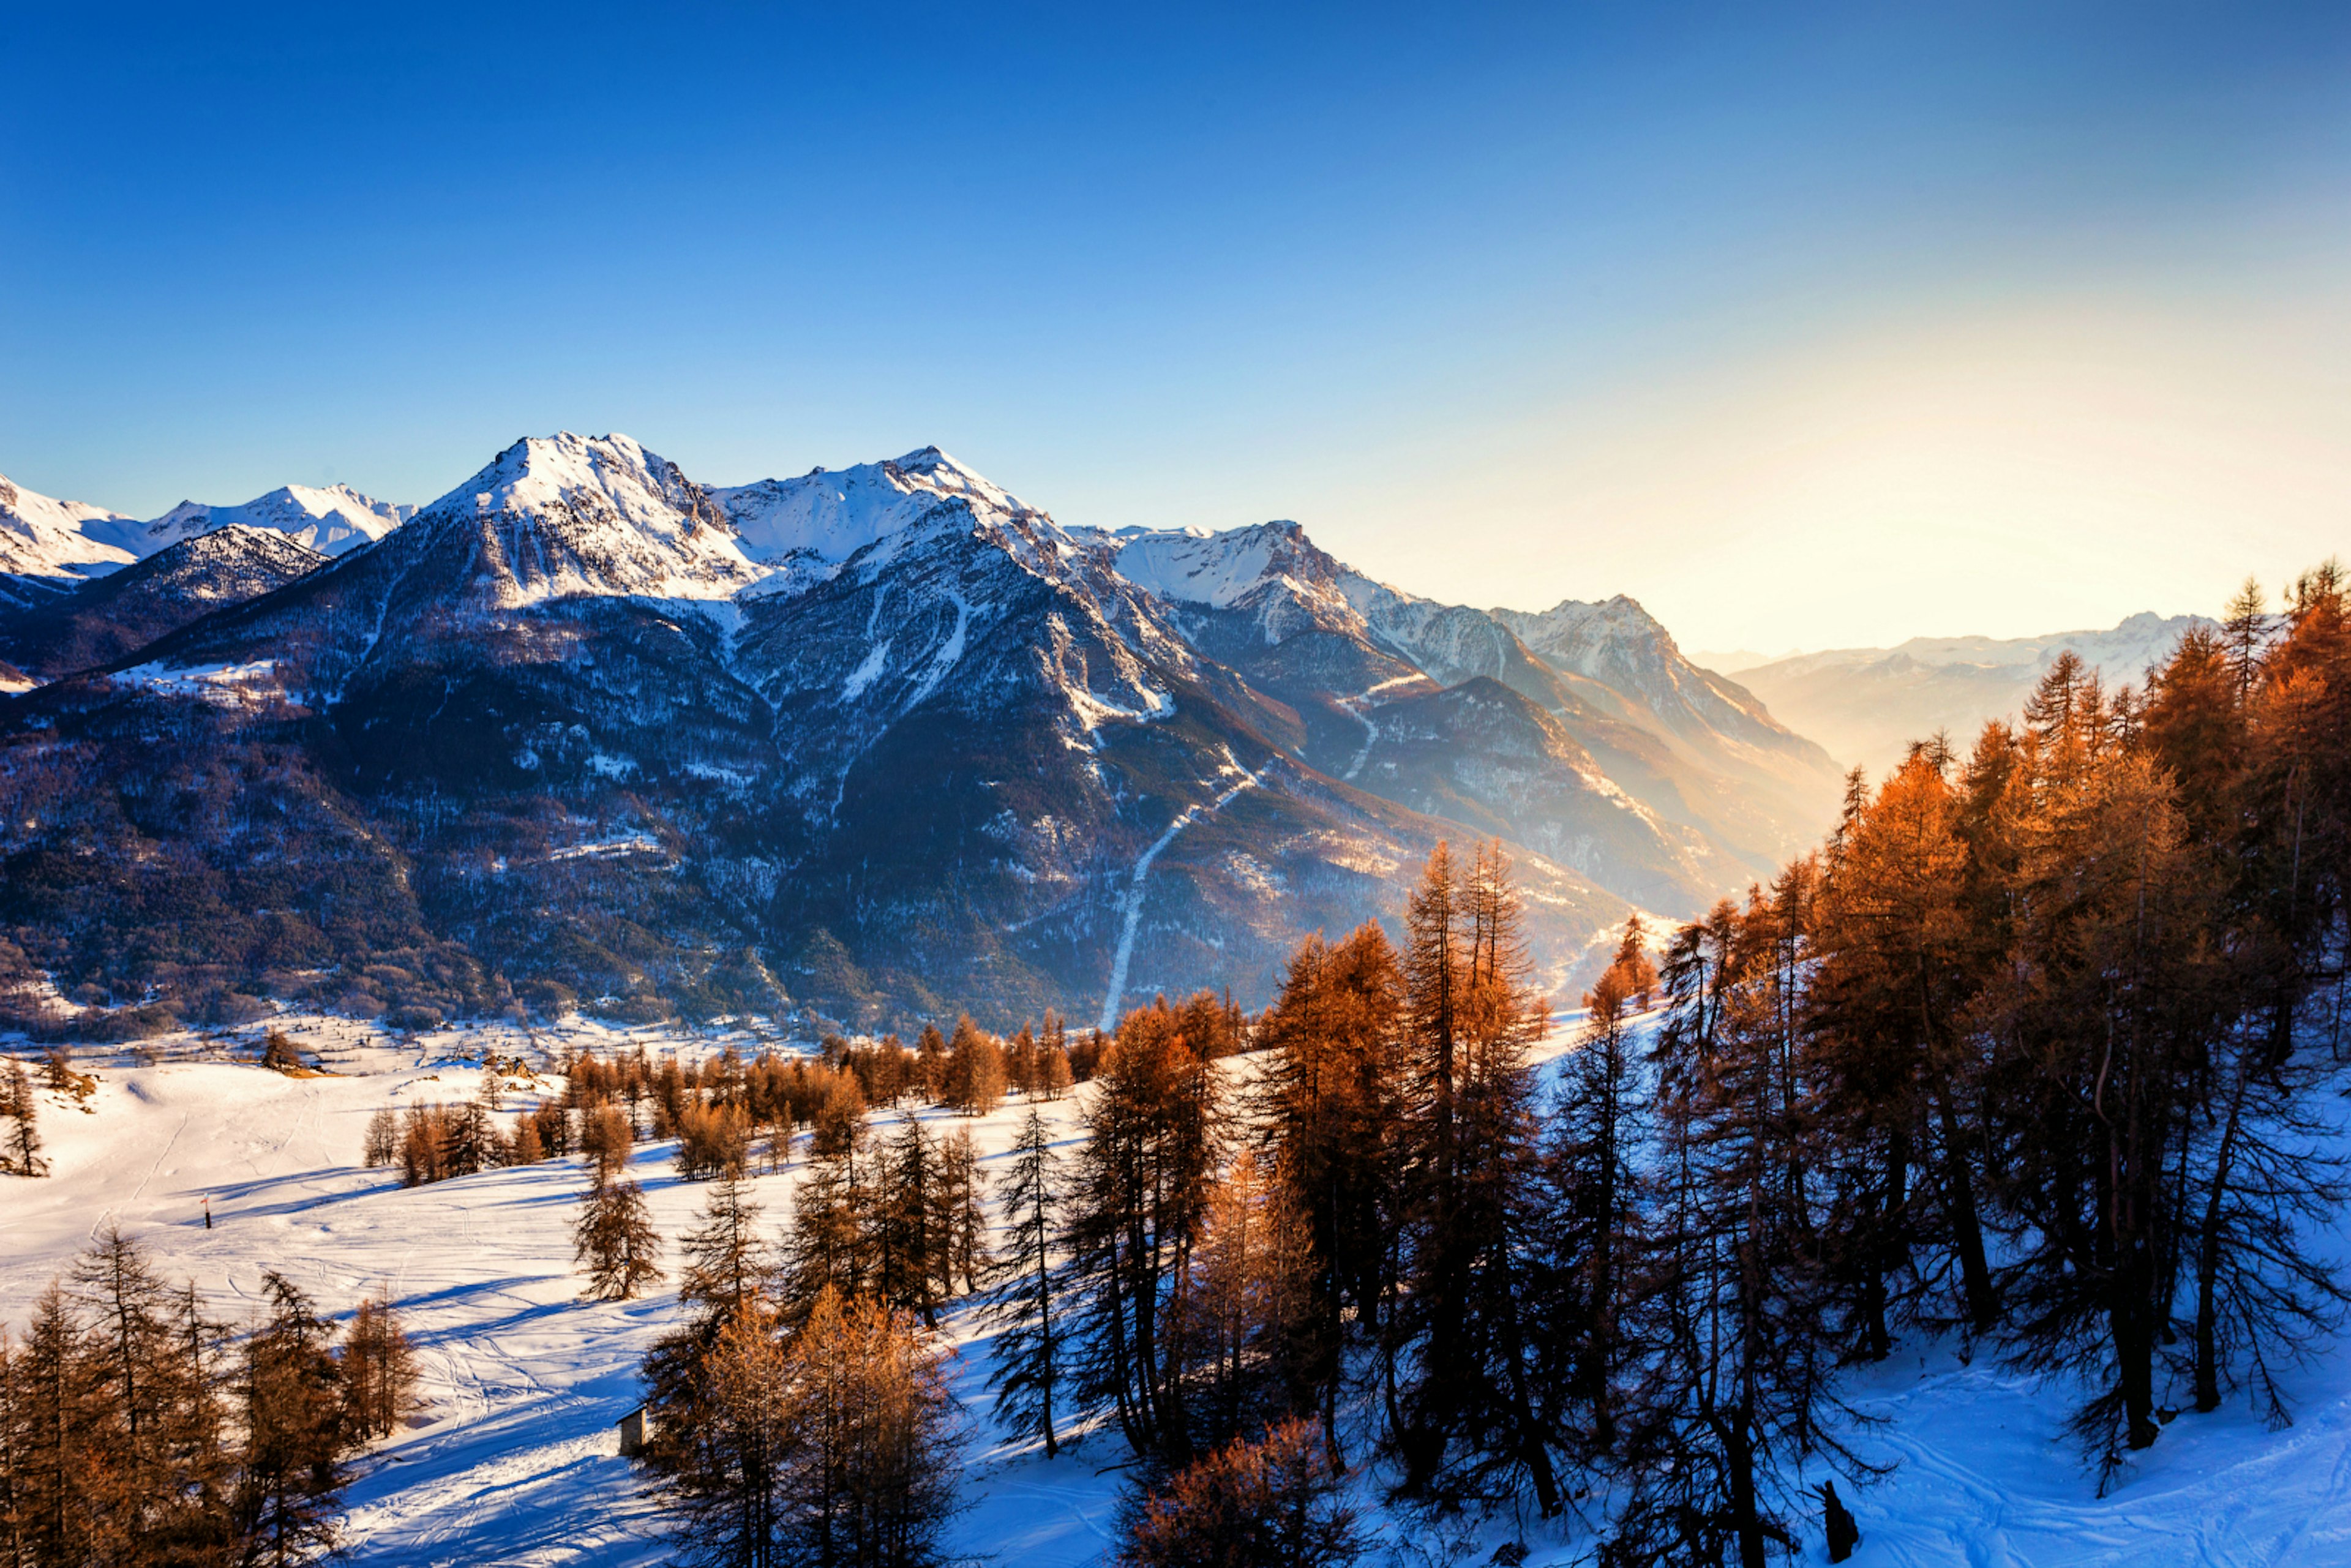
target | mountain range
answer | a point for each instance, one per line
(873, 744)
(1867, 705)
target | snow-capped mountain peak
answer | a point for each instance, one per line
(1196, 567)
(330, 521)
(43, 537)
(568, 514)
(829, 515)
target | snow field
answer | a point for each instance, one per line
(513, 1460)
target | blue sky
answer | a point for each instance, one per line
(1809, 327)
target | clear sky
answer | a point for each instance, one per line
(1803, 325)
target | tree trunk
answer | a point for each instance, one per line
(2208, 1259)
(1967, 1226)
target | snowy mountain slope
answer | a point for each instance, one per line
(1622, 646)
(552, 520)
(513, 1460)
(1486, 757)
(104, 619)
(968, 765)
(830, 516)
(564, 515)
(1867, 705)
(45, 544)
(979, 703)
(331, 521)
(1338, 646)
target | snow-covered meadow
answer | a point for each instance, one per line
(513, 1460)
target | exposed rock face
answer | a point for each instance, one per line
(105, 618)
(888, 740)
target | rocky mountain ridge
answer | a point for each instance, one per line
(1867, 705)
(876, 743)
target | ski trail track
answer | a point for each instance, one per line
(513, 1461)
(1133, 913)
(1354, 707)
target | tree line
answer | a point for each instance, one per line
(135, 1430)
(2032, 1051)
(799, 1411)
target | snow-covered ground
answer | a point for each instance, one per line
(514, 1461)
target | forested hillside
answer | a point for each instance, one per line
(856, 749)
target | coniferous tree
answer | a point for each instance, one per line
(725, 1260)
(1140, 1190)
(1898, 968)
(931, 1061)
(1593, 1250)
(134, 1384)
(20, 1151)
(1330, 1108)
(870, 1481)
(1734, 1377)
(911, 1244)
(963, 1208)
(2106, 1017)
(381, 1146)
(834, 1227)
(975, 1077)
(290, 1473)
(606, 1142)
(725, 1269)
(1272, 1501)
(379, 1371)
(1235, 1318)
(1468, 1423)
(280, 1054)
(15, 1417)
(1634, 971)
(613, 1241)
(60, 1503)
(1027, 1306)
(723, 1477)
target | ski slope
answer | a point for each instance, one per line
(513, 1459)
